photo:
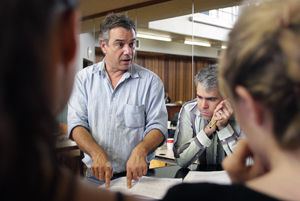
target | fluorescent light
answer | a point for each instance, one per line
(225, 25)
(153, 37)
(224, 47)
(197, 43)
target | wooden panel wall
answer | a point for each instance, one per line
(174, 71)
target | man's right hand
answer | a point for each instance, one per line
(101, 168)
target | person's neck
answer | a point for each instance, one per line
(114, 75)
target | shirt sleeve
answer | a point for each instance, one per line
(77, 107)
(229, 136)
(156, 111)
(188, 148)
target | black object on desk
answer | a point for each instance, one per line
(177, 172)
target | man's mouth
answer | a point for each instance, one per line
(205, 113)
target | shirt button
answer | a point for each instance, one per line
(113, 98)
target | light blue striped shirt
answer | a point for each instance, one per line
(118, 119)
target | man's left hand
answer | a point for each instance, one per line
(225, 111)
(136, 166)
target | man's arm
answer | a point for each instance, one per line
(188, 148)
(155, 130)
(100, 167)
(137, 165)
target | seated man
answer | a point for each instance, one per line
(206, 129)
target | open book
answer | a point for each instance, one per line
(145, 187)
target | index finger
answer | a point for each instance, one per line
(107, 177)
(129, 179)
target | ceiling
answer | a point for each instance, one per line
(94, 11)
(143, 11)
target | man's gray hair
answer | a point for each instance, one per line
(208, 77)
(114, 20)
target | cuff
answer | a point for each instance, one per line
(225, 132)
(203, 139)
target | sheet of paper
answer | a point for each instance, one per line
(154, 187)
(217, 177)
(145, 187)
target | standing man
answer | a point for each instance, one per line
(196, 137)
(117, 113)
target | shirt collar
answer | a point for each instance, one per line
(100, 67)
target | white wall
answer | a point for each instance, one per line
(86, 40)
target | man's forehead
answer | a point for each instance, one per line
(121, 33)
(207, 93)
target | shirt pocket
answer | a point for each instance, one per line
(134, 116)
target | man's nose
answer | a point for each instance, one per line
(204, 104)
(127, 50)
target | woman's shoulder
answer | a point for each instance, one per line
(208, 191)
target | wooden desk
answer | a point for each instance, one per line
(62, 145)
(173, 108)
(166, 155)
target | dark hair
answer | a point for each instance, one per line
(26, 121)
(114, 20)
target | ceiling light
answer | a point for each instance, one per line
(153, 37)
(223, 47)
(208, 22)
(197, 43)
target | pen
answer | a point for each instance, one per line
(213, 124)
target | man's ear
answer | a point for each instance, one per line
(103, 46)
(70, 30)
(248, 105)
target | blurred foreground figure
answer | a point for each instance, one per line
(37, 55)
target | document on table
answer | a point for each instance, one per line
(147, 187)
(217, 177)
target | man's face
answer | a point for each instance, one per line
(207, 101)
(119, 53)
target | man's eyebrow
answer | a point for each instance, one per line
(121, 40)
(207, 97)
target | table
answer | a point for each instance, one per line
(165, 155)
(177, 172)
(173, 108)
(64, 144)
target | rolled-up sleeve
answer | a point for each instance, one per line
(156, 111)
(77, 107)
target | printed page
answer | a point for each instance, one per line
(153, 187)
(120, 185)
(217, 177)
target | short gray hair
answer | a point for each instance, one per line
(208, 77)
(114, 20)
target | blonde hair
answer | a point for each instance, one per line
(263, 55)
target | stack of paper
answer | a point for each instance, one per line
(216, 177)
